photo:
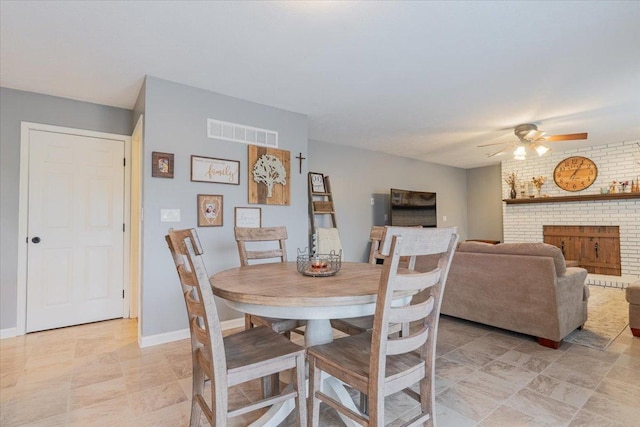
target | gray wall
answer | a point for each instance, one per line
(359, 175)
(17, 106)
(176, 122)
(484, 203)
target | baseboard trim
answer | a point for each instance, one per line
(164, 338)
(9, 333)
(182, 334)
(153, 339)
(233, 324)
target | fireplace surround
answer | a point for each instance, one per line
(525, 223)
(524, 219)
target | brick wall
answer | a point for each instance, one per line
(619, 162)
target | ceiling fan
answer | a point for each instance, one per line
(530, 137)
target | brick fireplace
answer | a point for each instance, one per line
(525, 222)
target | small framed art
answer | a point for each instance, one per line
(209, 210)
(248, 217)
(208, 169)
(317, 182)
(162, 165)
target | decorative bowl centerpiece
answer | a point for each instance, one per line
(319, 265)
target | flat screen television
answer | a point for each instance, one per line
(412, 208)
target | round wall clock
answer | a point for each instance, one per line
(575, 173)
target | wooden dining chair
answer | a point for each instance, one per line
(375, 237)
(380, 234)
(358, 325)
(258, 237)
(377, 364)
(234, 359)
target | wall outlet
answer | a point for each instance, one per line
(372, 201)
(169, 215)
(444, 218)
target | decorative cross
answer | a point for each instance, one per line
(300, 158)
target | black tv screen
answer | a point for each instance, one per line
(412, 208)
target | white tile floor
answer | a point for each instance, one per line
(94, 375)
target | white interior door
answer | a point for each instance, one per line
(75, 230)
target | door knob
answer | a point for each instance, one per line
(36, 240)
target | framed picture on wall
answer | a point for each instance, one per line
(209, 169)
(317, 182)
(161, 165)
(209, 210)
(248, 217)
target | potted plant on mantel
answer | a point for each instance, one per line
(511, 179)
(538, 181)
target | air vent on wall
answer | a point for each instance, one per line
(241, 133)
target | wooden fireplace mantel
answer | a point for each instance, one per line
(578, 198)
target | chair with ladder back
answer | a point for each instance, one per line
(227, 361)
(375, 363)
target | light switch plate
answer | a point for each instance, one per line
(169, 215)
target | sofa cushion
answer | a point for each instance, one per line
(471, 246)
(531, 249)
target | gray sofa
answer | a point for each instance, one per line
(522, 287)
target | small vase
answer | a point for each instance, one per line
(512, 194)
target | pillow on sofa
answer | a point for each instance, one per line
(532, 249)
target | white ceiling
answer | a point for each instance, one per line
(427, 80)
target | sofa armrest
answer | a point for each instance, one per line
(575, 276)
(571, 293)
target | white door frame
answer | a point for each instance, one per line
(137, 155)
(23, 212)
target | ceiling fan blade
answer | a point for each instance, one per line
(535, 135)
(495, 143)
(567, 137)
(498, 152)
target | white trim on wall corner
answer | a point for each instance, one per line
(184, 333)
(8, 333)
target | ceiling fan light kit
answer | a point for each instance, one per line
(541, 149)
(520, 152)
(531, 137)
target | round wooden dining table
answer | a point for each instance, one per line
(279, 290)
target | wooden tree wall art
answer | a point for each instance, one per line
(269, 171)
